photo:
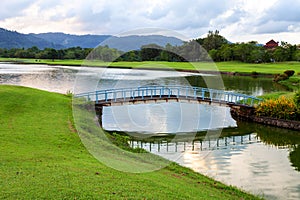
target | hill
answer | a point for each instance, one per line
(135, 42)
(13, 39)
(125, 43)
(68, 40)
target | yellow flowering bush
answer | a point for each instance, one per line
(281, 108)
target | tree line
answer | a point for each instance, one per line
(100, 53)
(213, 46)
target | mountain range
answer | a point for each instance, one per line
(13, 39)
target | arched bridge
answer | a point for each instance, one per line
(148, 94)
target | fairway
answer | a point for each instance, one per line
(42, 157)
(232, 67)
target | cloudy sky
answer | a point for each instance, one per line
(237, 20)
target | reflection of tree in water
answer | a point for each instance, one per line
(278, 137)
(295, 158)
(243, 84)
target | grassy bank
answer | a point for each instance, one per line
(42, 157)
(267, 68)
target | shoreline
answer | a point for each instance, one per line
(248, 114)
(231, 73)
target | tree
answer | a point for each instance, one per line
(214, 54)
(256, 55)
(242, 51)
(296, 56)
(280, 54)
(226, 52)
(52, 53)
(164, 55)
(47, 53)
(21, 53)
(150, 52)
(213, 41)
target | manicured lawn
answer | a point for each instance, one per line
(42, 157)
(268, 68)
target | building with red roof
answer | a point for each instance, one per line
(271, 44)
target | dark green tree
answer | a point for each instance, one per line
(213, 41)
(150, 52)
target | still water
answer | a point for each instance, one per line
(260, 159)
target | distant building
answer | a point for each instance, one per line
(271, 44)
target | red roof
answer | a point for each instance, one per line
(271, 44)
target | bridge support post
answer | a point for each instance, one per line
(96, 96)
(106, 99)
(99, 112)
(158, 146)
(167, 146)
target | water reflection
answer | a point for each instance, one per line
(244, 84)
(260, 159)
(295, 157)
(166, 118)
(54, 79)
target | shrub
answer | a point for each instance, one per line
(280, 77)
(281, 108)
(254, 73)
(289, 73)
(297, 99)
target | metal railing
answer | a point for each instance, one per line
(159, 92)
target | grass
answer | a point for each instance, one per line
(266, 68)
(276, 95)
(42, 157)
(43, 61)
(293, 83)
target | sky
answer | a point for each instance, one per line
(237, 20)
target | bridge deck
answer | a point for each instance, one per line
(159, 99)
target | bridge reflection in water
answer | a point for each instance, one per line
(168, 146)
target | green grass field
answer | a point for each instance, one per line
(42, 157)
(268, 68)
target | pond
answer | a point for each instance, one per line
(260, 159)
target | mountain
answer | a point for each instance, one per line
(134, 42)
(13, 39)
(124, 43)
(68, 40)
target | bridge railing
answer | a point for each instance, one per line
(157, 92)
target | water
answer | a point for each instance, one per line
(262, 160)
(166, 118)
(62, 79)
(54, 79)
(259, 159)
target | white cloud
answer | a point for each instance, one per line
(12, 8)
(235, 19)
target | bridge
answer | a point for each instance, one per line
(149, 94)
